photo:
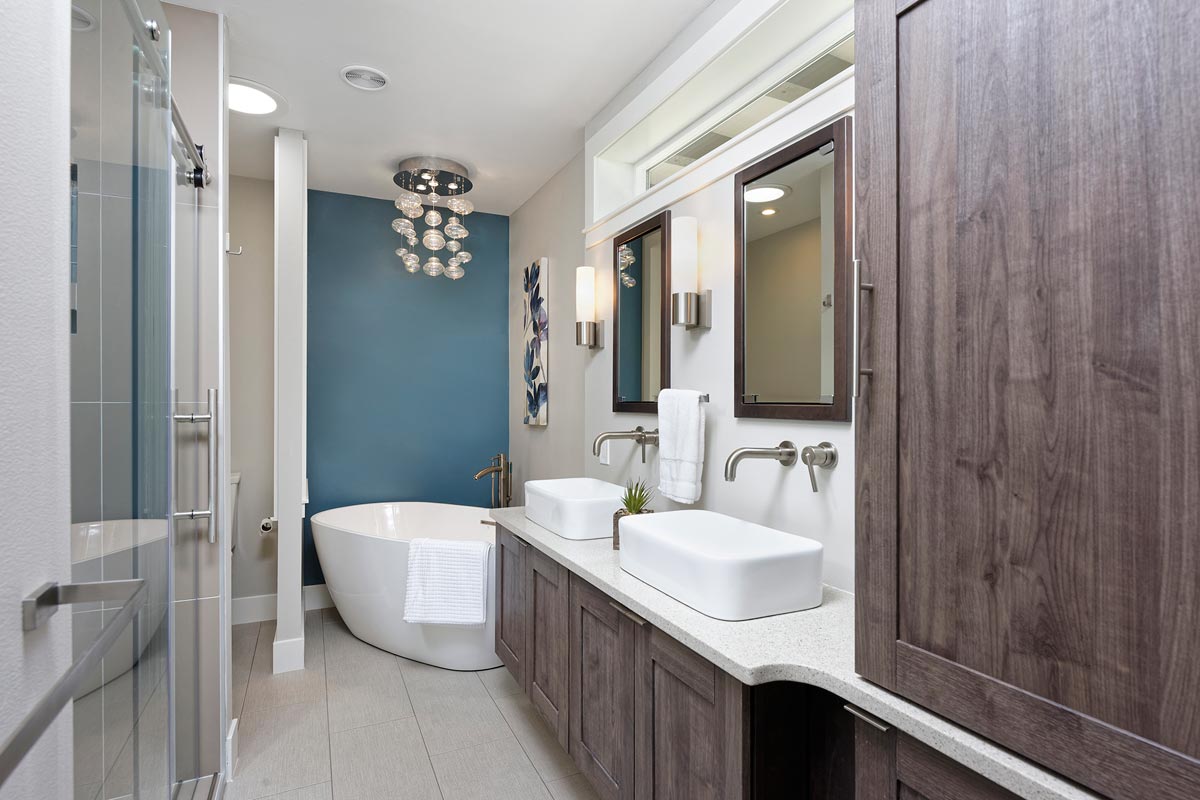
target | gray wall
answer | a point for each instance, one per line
(251, 384)
(34, 376)
(549, 224)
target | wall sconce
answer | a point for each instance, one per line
(690, 307)
(587, 331)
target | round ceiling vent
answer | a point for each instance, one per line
(366, 78)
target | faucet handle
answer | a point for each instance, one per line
(823, 455)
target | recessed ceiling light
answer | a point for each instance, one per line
(768, 212)
(765, 194)
(81, 21)
(248, 97)
(368, 79)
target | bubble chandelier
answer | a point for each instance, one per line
(425, 184)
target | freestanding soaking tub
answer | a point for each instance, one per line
(364, 554)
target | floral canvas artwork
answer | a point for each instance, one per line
(537, 341)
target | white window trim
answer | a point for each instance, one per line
(831, 100)
(823, 40)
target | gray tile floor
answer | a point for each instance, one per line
(359, 723)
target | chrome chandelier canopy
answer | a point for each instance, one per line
(424, 183)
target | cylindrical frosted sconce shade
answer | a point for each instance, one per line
(685, 255)
(690, 307)
(585, 294)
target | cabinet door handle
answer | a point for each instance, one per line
(627, 613)
(867, 718)
(859, 288)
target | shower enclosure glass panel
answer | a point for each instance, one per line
(122, 184)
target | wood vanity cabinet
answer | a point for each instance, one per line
(642, 716)
(1028, 431)
(892, 766)
(512, 557)
(547, 592)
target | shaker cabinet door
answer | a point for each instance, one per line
(606, 646)
(547, 593)
(512, 611)
(1028, 433)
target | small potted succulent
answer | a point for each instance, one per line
(636, 500)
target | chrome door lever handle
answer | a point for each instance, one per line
(823, 455)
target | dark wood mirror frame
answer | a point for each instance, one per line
(838, 132)
(662, 221)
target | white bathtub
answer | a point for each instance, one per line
(364, 554)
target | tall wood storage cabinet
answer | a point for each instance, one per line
(1028, 454)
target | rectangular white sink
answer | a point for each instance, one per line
(574, 508)
(723, 567)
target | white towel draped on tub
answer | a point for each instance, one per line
(447, 582)
(680, 444)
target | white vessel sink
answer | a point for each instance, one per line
(723, 567)
(574, 508)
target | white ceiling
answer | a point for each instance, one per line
(503, 87)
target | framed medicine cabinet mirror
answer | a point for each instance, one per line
(792, 274)
(642, 314)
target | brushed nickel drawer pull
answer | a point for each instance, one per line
(867, 718)
(627, 613)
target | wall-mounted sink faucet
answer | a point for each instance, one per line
(639, 434)
(785, 454)
(823, 455)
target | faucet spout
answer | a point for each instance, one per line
(639, 434)
(486, 471)
(785, 454)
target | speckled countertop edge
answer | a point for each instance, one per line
(815, 647)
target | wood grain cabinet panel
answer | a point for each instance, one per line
(607, 643)
(1028, 439)
(892, 766)
(512, 611)
(547, 651)
(692, 735)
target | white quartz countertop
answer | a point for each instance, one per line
(815, 647)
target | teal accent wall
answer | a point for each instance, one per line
(407, 374)
(629, 364)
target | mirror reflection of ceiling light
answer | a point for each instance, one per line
(768, 212)
(248, 97)
(765, 194)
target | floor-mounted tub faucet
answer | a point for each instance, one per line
(501, 472)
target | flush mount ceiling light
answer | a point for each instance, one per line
(428, 181)
(765, 194)
(768, 212)
(368, 79)
(249, 97)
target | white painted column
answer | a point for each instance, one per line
(291, 288)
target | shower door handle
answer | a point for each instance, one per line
(209, 419)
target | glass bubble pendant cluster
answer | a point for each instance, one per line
(425, 184)
(626, 259)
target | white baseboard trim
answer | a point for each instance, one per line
(288, 655)
(262, 607)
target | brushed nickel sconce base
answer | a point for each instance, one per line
(588, 334)
(692, 309)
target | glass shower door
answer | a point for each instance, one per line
(121, 445)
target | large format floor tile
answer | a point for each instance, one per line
(364, 683)
(268, 690)
(279, 749)
(575, 787)
(499, 682)
(539, 742)
(493, 771)
(383, 762)
(321, 791)
(243, 640)
(453, 708)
